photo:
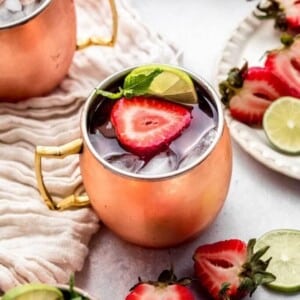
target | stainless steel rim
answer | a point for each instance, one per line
(27, 18)
(105, 83)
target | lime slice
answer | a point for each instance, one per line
(285, 263)
(281, 123)
(172, 84)
(33, 291)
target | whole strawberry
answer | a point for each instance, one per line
(286, 13)
(230, 269)
(167, 287)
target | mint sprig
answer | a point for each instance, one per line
(73, 294)
(110, 95)
(134, 85)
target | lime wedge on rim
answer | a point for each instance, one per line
(33, 291)
(172, 84)
(285, 263)
(281, 123)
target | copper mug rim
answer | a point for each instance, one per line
(118, 75)
(28, 17)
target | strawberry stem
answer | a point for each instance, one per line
(253, 271)
(268, 9)
(166, 277)
(287, 39)
(272, 10)
(223, 293)
(234, 81)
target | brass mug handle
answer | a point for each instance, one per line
(98, 41)
(73, 147)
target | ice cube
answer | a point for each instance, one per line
(17, 15)
(29, 7)
(102, 145)
(191, 140)
(199, 149)
(209, 137)
(27, 2)
(13, 5)
(162, 163)
(4, 14)
(126, 162)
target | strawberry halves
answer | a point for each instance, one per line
(166, 287)
(230, 269)
(248, 92)
(285, 63)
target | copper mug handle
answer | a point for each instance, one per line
(62, 151)
(75, 146)
(98, 41)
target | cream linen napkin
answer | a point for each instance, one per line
(37, 244)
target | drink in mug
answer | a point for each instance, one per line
(163, 163)
(180, 153)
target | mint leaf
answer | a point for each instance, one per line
(73, 294)
(129, 93)
(138, 84)
(134, 85)
(110, 95)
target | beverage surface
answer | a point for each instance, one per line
(183, 151)
(13, 10)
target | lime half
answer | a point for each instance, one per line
(172, 84)
(33, 291)
(281, 123)
(285, 263)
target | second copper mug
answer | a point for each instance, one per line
(155, 210)
(36, 51)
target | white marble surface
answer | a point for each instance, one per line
(259, 199)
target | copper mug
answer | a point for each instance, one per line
(36, 52)
(152, 211)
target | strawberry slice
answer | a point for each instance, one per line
(167, 287)
(285, 63)
(286, 13)
(230, 269)
(146, 126)
(248, 92)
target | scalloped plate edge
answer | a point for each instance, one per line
(239, 131)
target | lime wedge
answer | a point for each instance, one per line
(281, 123)
(285, 263)
(33, 291)
(172, 84)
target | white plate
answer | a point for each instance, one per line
(249, 42)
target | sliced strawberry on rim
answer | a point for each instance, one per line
(285, 63)
(248, 92)
(145, 126)
(230, 269)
